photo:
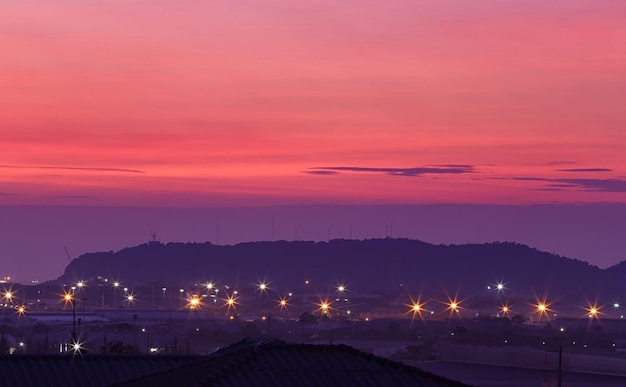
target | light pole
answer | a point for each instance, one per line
(560, 378)
(69, 297)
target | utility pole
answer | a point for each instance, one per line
(560, 376)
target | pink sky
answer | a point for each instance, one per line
(212, 103)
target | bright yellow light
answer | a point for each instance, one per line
(593, 311)
(282, 303)
(21, 310)
(416, 307)
(68, 297)
(543, 308)
(454, 306)
(231, 301)
(116, 284)
(324, 306)
(194, 302)
(8, 295)
(130, 298)
(341, 288)
(209, 286)
(505, 309)
(80, 284)
(262, 286)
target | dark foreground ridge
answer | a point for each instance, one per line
(249, 362)
(366, 265)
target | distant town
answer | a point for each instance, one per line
(497, 325)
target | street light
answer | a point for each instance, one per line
(8, 296)
(69, 297)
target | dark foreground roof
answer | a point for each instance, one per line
(87, 370)
(252, 362)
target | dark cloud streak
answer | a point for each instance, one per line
(585, 170)
(417, 171)
(96, 169)
(598, 185)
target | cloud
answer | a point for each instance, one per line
(71, 196)
(585, 170)
(321, 172)
(598, 185)
(96, 169)
(417, 171)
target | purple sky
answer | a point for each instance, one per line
(33, 238)
(258, 103)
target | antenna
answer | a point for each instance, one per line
(154, 240)
(67, 253)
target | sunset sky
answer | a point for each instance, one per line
(271, 102)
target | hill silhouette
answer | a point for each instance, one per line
(364, 265)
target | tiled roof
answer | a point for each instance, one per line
(88, 370)
(252, 362)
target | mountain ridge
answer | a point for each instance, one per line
(369, 265)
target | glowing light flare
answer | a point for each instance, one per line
(453, 305)
(282, 303)
(542, 307)
(231, 302)
(8, 295)
(68, 297)
(21, 310)
(416, 307)
(194, 303)
(116, 284)
(324, 306)
(76, 347)
(130, 298)
(209, 286)
(80, 284)
(593, 311)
